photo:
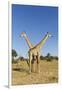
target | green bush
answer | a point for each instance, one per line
(14, 61)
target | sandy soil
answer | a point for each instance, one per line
(48, 73)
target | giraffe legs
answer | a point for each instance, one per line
(34, 63)
(38, 63)
(35, 67)
(30, 57)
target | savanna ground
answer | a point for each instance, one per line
(48, 73)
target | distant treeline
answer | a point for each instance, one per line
(48, 57)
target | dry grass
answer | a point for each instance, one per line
(48, 73)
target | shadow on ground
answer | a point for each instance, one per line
(20, 70)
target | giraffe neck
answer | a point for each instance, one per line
(28, 42)
(42, 42)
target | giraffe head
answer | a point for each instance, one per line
(49, 34)
(23, 34)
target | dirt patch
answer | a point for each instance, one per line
(48, 73)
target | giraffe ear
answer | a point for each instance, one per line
(49, 34)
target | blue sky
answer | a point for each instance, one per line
(36, 21)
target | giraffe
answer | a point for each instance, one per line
(23, 34)
(34, 51)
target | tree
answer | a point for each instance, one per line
(14, 53)
(56, 57)
(21, 58)
(48, 57)
(42, 57)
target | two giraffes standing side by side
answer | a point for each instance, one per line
(34, 52)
